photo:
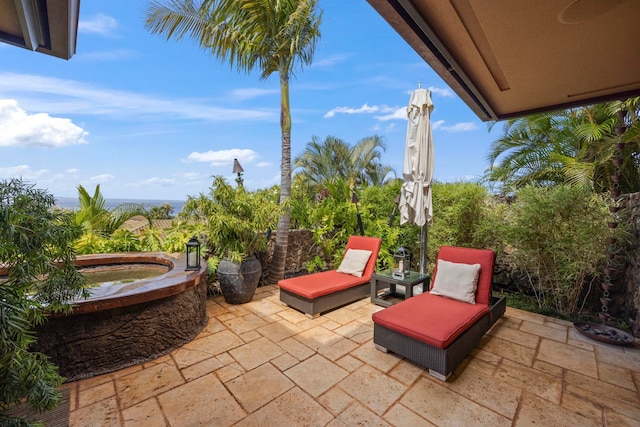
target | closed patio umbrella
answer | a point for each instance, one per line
(415, 197)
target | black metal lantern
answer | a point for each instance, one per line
(401, 264)
(193, 254)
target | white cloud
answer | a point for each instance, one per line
(263, 164)
(59, 96)
(162, 182)
(105, 177)
(460, 127)
(109, 55)
(191, 176)
(444, 92)
(395, 114)
(20, 129)
(348, 110)
(102, 24)
(437, 124)
(250, 93)
(22, 171)
(223, 157)
(330, 61)
(388, 113)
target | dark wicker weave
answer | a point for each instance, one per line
(313, 307)
(441, 362)
(57, 417)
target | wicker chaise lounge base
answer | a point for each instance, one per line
(319, 292)
(438, 332)
(313, 307)
(441, 362)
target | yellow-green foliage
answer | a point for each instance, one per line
(558, 237)
(237, 220)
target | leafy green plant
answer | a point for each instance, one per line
(161, 212)
(90, 243)
(98, 223)
(36, 253)
(151, 239)
(462, 216)
(236, 220)
(123, 241)
(558, 237)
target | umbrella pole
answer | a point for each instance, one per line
(423, 249)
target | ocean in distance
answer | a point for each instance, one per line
(72, 203)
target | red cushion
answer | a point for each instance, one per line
(316, 285)
(367, 243)
(484, 257)
(431, 319)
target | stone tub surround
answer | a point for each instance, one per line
(261, 363)
(126, 324)
(176, 280)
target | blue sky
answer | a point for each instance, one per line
(148, 118)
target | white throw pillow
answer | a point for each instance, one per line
(354, 262)
(456, 281)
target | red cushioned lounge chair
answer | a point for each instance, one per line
(437, 331)
(319, 292)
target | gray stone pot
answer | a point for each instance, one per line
(238, 282)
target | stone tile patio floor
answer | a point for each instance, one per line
(265, 364)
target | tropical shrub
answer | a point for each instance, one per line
(161, 212)
(36, 251)
(123, 240)
(463, 215)
(236, 220)
(99, 223)
(557, 236)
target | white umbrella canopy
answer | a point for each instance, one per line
(415, 204)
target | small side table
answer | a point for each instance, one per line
(384, 281)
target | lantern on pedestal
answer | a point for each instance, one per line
(193, 254)
(401, 264)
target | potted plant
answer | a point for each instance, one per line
(236, 226)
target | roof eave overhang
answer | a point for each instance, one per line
(411, 25)
(45, 26)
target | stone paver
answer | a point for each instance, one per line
(258, 387)
(380, 391)
(443, 407)
(265, 364)
(294, 408)
(203, 402)
(536, 411)
(316, 375)
(141, 385)
(568, 357)
(147, 413)
(256, 353)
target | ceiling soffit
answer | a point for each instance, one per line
(46, 26)
(508, 58)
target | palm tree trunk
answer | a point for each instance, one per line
(278, 262)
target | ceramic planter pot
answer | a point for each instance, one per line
(238, 282)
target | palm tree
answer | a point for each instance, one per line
(573, 146)
(273, 36)
(95, 218)
(333, 159)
